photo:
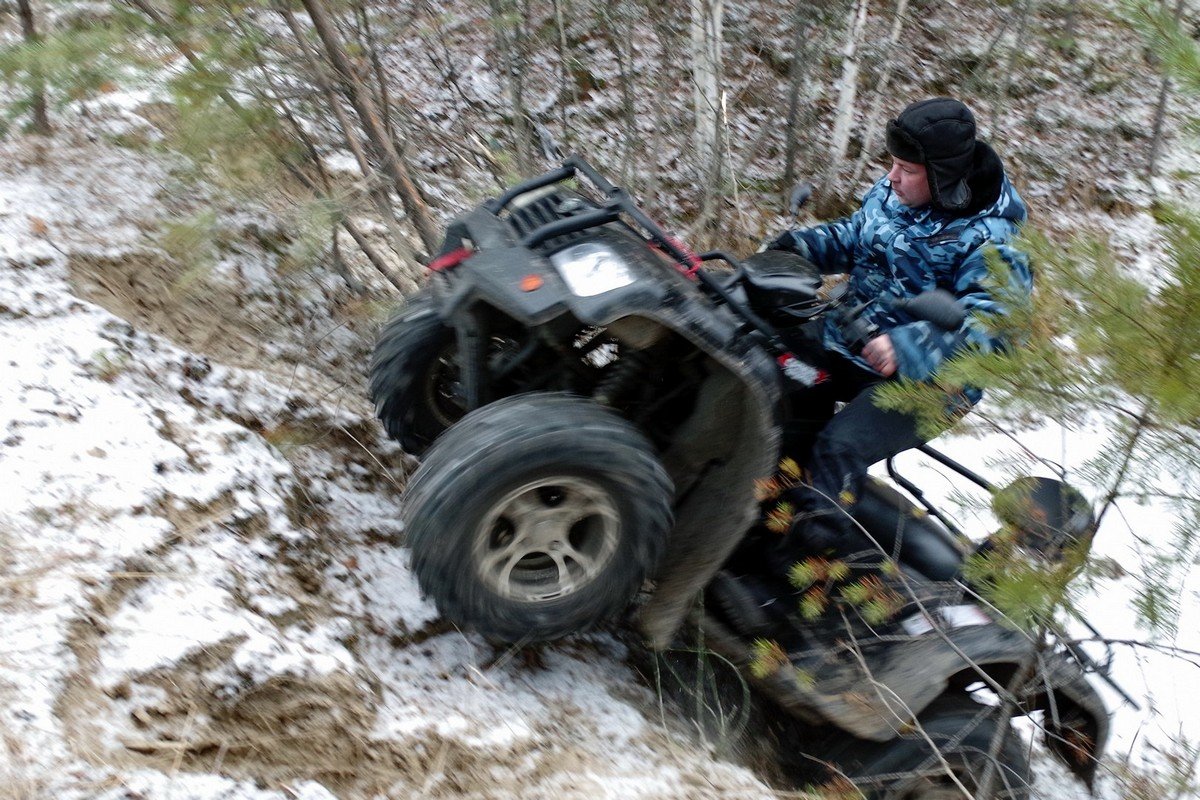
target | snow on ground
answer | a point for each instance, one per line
(201, 592)
(1161, 682)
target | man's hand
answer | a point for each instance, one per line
(784, 241)
(880, 354)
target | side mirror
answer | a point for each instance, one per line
(799, 196)
(937, 306)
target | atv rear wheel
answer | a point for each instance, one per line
(537, 516)
(907, 768)
(414, 375)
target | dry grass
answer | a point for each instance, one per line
(20, 775)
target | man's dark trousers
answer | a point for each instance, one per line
(859, 435)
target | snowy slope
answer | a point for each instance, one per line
(201, 593)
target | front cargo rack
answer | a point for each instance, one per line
(528, 218)
(618, 206)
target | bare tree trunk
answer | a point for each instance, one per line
(192, 58)
(509, 18)
(402, 285)
(875, 116)
(1019, 44)
(847, 93)
(339, 264)
(706, 31)
(367, 41)
(384, 95)
(1070, 24)
(631, 141)
(405, 283)
(566, 75)
(41, 121)
(376, 188)
(368, 114)
(666, 33)
(796, 75)
(1160, 109)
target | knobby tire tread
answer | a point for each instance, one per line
(404, 352)
(516, 437)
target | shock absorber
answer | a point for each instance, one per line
(621, 377)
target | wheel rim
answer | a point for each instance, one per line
(445, 394)
(547, 539)
(444, 390)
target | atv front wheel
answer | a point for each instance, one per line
(908, 768)
(537, 516)
(414, 375)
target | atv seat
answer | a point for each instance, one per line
(907, 533)
(783, 287)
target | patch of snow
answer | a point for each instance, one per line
(196, 786)
(389, 590)
(165, 624)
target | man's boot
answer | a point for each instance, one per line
(817, 530)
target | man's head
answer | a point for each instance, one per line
(936, 136)
(910, 182)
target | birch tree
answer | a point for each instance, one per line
(874, 121)
(847, 89)
(707, 18)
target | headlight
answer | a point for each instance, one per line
(591, 269)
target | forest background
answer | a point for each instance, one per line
(272, 176)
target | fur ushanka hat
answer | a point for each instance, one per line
(939, 133)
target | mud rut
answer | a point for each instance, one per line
(289, 727)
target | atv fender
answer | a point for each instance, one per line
(720, 450)
(1075, 725)
(912, 673)
(874, 689)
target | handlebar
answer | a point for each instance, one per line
(773, 340)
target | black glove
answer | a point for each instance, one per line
(784, 241)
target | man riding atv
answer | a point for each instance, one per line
(927, 224)
(595, 412)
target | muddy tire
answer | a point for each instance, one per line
(414, 381)
(537, 516)
(907, 768)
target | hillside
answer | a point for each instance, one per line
(203, 590)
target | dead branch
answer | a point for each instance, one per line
(368, 114)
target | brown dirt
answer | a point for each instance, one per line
(155, 295)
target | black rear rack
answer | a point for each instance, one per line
(616, 203)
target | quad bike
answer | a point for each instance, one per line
(593, 404)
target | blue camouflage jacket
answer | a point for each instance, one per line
(894, 251)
